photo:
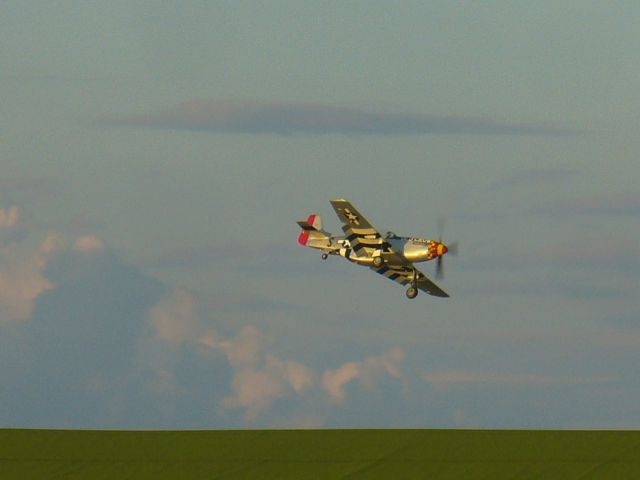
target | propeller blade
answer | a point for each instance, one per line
(439, 268)
(452, 249)
(440, 228)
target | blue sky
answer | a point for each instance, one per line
(155, 157)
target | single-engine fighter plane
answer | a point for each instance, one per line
(389, 255)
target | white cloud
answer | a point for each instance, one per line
(259, 377)
(176, 318)
(366, 372)
(22, 279)
(335, 380)
(9, 217)
(254, 390)
(21, 282)
(256, 387)
(53, 242)
(78, 317)
(88, 244)
(299, 377)
(246, 349)
(22, 270)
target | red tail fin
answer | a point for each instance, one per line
(309, 228)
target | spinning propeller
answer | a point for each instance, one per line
(443, 248)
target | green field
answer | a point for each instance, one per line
(310, 454)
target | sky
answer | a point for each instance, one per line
(155, 157)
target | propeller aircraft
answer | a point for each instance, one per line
(390, 255)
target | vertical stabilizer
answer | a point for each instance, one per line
(315, 221)
(312, 233)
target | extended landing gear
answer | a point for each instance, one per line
(412, 291)
(377, 262)
(325, 256)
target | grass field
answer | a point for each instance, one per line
(311, 454)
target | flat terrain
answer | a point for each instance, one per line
(311, 454)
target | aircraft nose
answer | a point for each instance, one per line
(442, 249)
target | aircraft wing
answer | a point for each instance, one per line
(431, 288)
(403, 276)
(357, 229)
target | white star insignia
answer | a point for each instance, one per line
(353, 219)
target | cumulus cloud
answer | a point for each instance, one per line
(255, 387)
(246, 349)
(176, 317)
(53, 242)
(259, 377)
(8, 217)
(12, 228)
(89, 341)
(282, 118)
(366, 372)
(22, 277)
(82, 314)
(88, 244)
(335, 380)
(21, 283)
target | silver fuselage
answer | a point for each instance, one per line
(412, 248)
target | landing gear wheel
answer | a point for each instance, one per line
(412, 292)
(377, 262)
(325, 256)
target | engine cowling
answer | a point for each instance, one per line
(421, 250)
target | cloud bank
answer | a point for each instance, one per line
(71, 316)
(89, 341)
(259, 376)
(22, 278)
(282, 118)
(365, 371)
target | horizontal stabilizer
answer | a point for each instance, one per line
(312, 234)
(305, 225)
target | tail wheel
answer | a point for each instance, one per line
(377, 262)
(412, 292)
(325, 256)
